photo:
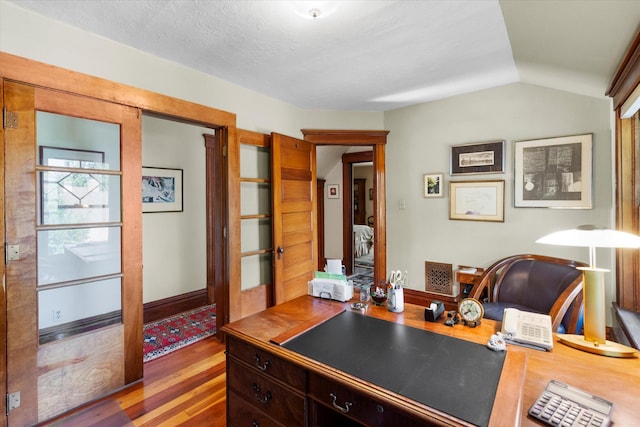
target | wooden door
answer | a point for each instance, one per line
(294, 216)
(53, 377)
(359, 201)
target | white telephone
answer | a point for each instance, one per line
(527, 329)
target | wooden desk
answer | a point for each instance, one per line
(613, 379)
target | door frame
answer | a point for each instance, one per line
(27, 71)
(348, 160)
(377, 139)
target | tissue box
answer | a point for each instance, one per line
(434, 311)
(330, 286)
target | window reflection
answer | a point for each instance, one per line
(77, 253)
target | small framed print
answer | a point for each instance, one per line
(161, 190)
(554, 173)
(333, 191)
(433, 185)
(484, 157)
(477, 200)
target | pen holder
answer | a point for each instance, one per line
(434, 311)
(395, 300)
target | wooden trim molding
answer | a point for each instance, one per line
(345, 137)
(40, 74)
(627, 134)
(320, 183)
(377, 139)
(163, 308)
(217, 197)
(627, 76)
(58, 332)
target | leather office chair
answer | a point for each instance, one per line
(536, 283)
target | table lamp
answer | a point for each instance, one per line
(591, 236)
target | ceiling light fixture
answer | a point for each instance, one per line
(314, 12)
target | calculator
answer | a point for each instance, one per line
(565, 406)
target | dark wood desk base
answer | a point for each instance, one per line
(271, 385)
(612, 379)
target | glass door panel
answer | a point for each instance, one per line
(67, 139)
(73, 254)
(78, 198)
(79, 227)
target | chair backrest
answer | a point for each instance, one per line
(534, 283)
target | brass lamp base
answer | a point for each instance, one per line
(609, 348)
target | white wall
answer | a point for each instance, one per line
(333, 214)
(419, 142)
(174, 246)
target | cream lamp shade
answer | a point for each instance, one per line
(592, 237)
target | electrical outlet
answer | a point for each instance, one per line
(57, 315)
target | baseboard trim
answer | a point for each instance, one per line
(58, 332)
(163, 308)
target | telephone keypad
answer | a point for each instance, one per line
(566, 406)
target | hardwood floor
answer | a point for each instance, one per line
(186, 387)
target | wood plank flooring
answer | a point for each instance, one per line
(186, 387)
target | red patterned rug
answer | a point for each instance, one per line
(167, 335)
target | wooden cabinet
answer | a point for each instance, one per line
(266, 390)
(335, 404)
(359, 201)
(263, 388)
(468, 279)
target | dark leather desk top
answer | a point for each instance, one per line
(453, 375)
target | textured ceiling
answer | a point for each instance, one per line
(370, 55)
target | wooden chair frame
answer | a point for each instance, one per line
(491, 281)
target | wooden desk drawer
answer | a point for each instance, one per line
(357, 406)
(268, 363)
(280, 402)
(241, 413)
(471, 278)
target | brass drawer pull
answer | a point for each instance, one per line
(344, 409)
(264, 366)
(265, 398)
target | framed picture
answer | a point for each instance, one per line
(485, 157)
(554, 173)
(333, 191)
(433, 185)
(161, 190)
(477, 200)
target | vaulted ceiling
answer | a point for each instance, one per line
(371, 55)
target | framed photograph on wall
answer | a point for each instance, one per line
(484, 157)
(161, 190)
(554, 173)
(433, 185)
(476, 200)
(333, 191)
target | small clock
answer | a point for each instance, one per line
(471, 311)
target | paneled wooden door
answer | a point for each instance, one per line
(81, 248)
(294, 215)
